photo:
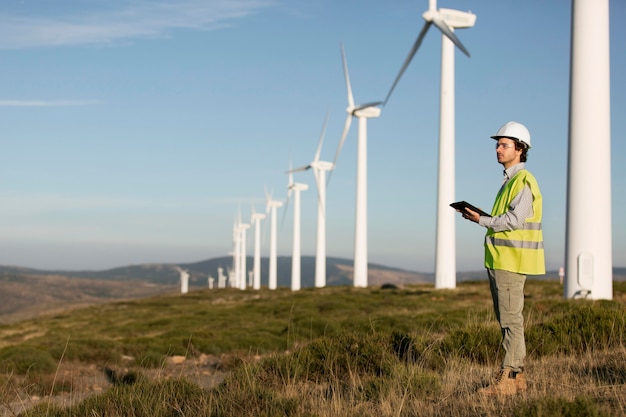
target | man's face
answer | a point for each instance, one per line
(506, 152)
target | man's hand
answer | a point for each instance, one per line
(470, 215)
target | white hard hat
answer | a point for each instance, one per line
(515, 131)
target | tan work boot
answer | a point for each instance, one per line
(520, 381)
(505, 384)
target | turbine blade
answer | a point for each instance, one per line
(290, 173)
(445, 29)
(268, 199)
(346, 75)
(321, 140)
(286, 208)
(346, 128)
(300, 169)
(370, 104)
(408, 59)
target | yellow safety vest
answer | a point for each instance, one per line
(519, 250)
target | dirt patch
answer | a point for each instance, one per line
(81, 381)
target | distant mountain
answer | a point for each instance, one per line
(26, 292)
(338, 271)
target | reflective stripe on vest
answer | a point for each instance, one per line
(519, 250)
(520, 244)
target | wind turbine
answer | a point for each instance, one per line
(362, 113)
(588, 257)
(271, 206)
(256, 223)
(296, 188)
(446, 20)
(319, 171)
(221, 279)
(184, 280)
(234, 274)
(242, 269)
(239, 260)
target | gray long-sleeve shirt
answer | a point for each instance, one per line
(520, 209)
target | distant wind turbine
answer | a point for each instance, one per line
(184, 280)
(319, 171)
(445, 20)
(256, 270)
(362, 113)
(221, 279)
(588, 257)
(234, 272)
(243, 259)
(296, 188)
(270, 207)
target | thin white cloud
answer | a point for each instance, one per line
(107, 22)
(47, 103)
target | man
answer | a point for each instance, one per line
(513, 249)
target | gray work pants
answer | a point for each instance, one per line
(507, 292)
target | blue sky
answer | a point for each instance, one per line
(133, 131)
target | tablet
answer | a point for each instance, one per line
(462, 205)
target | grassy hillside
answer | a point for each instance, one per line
(343, 351)
(27, 293)
(338, 271)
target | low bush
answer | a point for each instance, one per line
(26, 359)
(580, 328)
(558, 407)
(163, 398)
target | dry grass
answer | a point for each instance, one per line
(337, 352)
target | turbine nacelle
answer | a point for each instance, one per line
(322, 165)
(368, 111)
(456, 18)
(269, 203)
(298, 186)
(257, 216)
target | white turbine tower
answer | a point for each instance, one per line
(242, 257)
(588, 257)
(256, 270)
(184, 280)
(362, 113)
(446, 20)
(234, 273)
(271, 207)
(221, 279)
(296, 188)
(319, 171)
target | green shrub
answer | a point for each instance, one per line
(150, 359)
(403, 346)
(92, 350)
(163, 398)
(254, 400)
(26, 359)
(476, 342)
(557, 407)
(416, 382)
(347, 354)
(580, 328)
